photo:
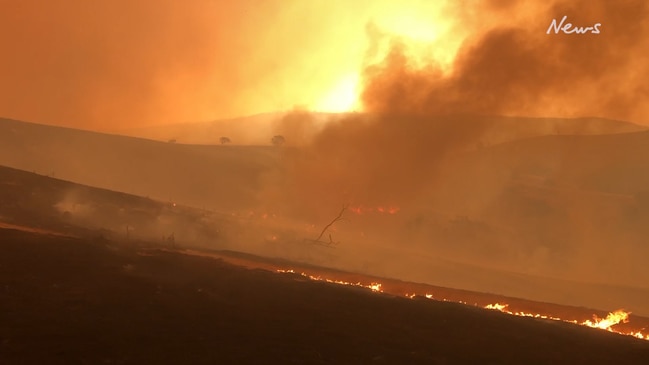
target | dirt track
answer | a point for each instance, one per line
(69, 301)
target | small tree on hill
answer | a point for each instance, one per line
(225, 140)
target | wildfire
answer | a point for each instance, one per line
(375, 287)
(612, 319)
(606, 324)
(503, 308)
(496, 306)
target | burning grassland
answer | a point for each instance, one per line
(613, 322)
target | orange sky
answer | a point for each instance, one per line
(110, 64)
(106, 62)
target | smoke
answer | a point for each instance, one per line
(421, 114)
(516, 68)
(297, 127)
(115, 64)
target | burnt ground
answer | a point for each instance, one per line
(81, 301)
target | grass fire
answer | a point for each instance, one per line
(324, 182)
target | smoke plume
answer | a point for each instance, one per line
(420, 113)
(516, 68)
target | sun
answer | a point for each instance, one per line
(428, 37)
(343, 96)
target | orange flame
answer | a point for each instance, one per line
(612, 319)
(375, 287)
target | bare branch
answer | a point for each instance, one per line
(339, 217)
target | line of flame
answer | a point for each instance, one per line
(375, 287)
(613, 318)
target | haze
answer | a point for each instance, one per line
(495, 144)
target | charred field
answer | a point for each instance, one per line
(77, 293)
(71, 300)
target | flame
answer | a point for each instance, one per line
(496, 306)
(356, 210)
(612, 319)
(503, 308)
(607, 324)
(375, 287)
(428, 296)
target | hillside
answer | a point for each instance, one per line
(550, 206)
(564, 206)
(45, 205)
(251, 130)
(78, 287)
(256, 129)
(215, 177)
(67, 301)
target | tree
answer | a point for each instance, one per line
(278, 140)
(225, 140)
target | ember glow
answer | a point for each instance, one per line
(375, 287)
(611, 320)
(607, 324)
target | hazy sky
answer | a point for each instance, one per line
(108, 64)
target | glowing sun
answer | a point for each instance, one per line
(342, 96)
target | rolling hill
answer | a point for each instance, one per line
(221, 177)
(215, 177)
(564, 207)
(69, 300)
(256, 129)
(43, 204)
